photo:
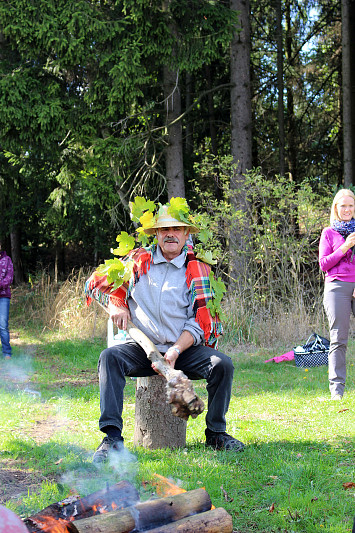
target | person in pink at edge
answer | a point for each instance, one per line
(337, 260)
(10, 523)
(6, 278)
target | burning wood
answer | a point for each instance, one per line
(117, 509)
(215, 521)
(146, 515)
(56, 517)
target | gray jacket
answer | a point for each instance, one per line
(160, 303)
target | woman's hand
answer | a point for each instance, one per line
(349, 243)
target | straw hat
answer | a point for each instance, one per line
(164, 220)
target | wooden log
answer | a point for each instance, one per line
(215, 521)
(180, 392)
(122, 494)
(146, 515)
(155, 425)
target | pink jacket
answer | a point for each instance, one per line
(332, 261)
(6, 275)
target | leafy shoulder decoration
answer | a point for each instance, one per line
(145, 212)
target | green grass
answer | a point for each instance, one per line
(300, 445)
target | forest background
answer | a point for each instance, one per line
(245, 108)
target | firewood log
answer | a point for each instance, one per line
(180, 393)
(120, 495)
(146, 515)
(215, 521)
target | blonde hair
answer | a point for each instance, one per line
(339, 195)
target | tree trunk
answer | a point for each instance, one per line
(348, 66)
(16, 255)
(155, 425)
(188, 124)
(241, 123)
(211, 111)
(241, 134)
(291, 130)
(280, 88)
(174, 151)
(59, 262)
(213, 130)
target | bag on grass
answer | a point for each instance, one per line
(313, 353)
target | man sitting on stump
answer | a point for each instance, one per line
(166, 298)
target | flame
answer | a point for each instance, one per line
(53, 525)
(50, 524)
(164, 487)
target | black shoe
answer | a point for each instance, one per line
(108, 444)
(223, 441)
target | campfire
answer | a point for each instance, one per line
(118, 509)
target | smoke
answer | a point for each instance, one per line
(89, 477)
(83, 476)
(16, 375)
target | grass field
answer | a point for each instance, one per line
(291, 477)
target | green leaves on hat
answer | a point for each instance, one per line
(179, 209)
(146, 213)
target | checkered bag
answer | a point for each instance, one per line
(313, 353)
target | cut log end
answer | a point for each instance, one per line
(183, 399)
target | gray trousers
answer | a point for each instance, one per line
(197, 362)
(338, 305)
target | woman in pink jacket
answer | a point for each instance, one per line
(6, 277)
(337, 260)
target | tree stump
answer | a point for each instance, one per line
(155, 425)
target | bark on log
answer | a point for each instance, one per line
(215, 521)
(146, 515)
(181, 395)
(155, 425)
(122, 494)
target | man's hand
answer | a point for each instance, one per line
(182, 343)
(119, 316)
(171, 355)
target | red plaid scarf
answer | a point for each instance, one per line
(197, 279)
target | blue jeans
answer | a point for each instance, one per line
(197, 362)
(4, 326)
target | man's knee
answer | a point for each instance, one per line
(107, 356)
(223, 364)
